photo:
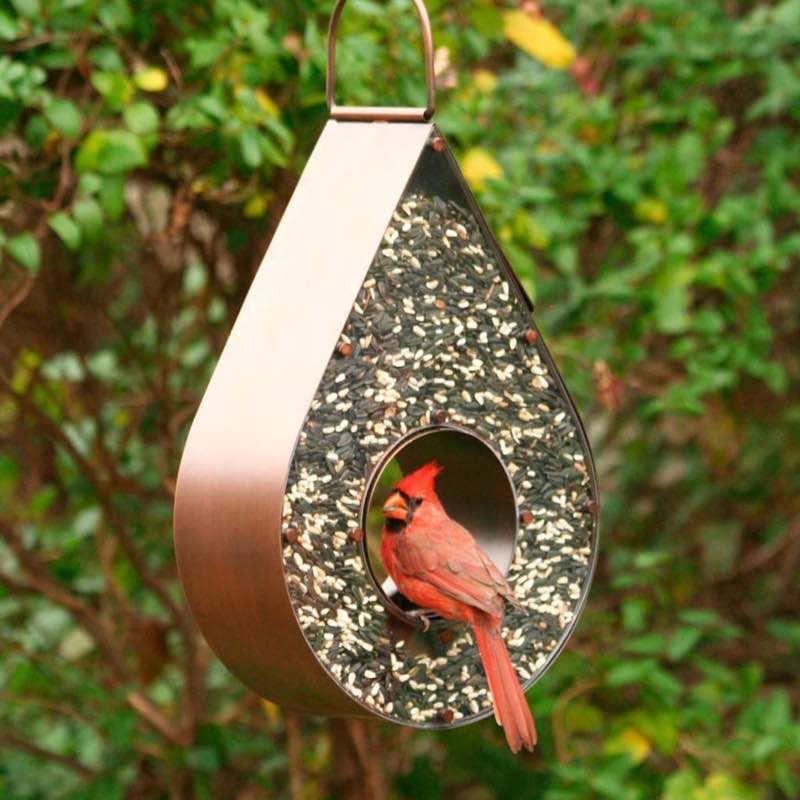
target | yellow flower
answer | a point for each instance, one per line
(151, 79)
(540, 39)
(630, 742)
(271, 711)
(256, 206)
(479, 166)
(651, 210)
(485, 80)
(267, 103)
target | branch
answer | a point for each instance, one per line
(16, 299)
(558, 716)
(39, 582)
(57, 436)
(368, 766)
(148, 711)
(10, 740)
(294, 744)
(195, 662)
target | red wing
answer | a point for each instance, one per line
(463, 572)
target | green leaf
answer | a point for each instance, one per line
(89, 217)
(115, 88)
(680, 785)
(25, 250)
(683, 641)
(65, 117)
(116, 15)
(250, 144)
(141, 117)
(722, 786)
(627, 672)
(112, 196)
(110, 152)
(787, 15)
(67, 230)
(31, 9)
(8, 27)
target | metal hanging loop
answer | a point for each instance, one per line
(387, 113)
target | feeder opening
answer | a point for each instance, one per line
(473, 486)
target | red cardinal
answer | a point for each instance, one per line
(437, 564)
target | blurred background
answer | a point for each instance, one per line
(640, 162)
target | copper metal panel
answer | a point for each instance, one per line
(232, 478)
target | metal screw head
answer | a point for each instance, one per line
(357, 534)
(526, 517)
(344, 349)
(531, 336)
(438, 144)
(291, 535)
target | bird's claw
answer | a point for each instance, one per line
(423, 615)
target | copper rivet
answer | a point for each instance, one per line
(345, 349)
(357, 534)
(593, 506)
(531, 336)
(440, 304)
(446, 636)
(526, 517)
(438, 144)
(439, 416)
(446, 714)
(291, 535)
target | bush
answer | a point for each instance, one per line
(640, 164)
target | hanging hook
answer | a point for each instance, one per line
(374, 113)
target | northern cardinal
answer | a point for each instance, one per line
(437, 564)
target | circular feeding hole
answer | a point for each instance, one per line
(474, 488)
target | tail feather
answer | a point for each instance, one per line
(510, 707)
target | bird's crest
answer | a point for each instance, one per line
(421, 481)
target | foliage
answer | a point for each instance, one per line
(640, 163)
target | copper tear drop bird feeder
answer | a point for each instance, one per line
(385, 327)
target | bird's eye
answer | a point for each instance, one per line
(418, 500)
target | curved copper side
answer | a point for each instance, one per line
(231, 484)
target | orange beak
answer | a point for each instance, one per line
(396, 507)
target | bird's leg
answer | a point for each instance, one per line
(424, 615)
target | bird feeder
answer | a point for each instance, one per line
(384, 328)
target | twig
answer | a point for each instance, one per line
(559, 710)
(757, 558)
(16, 299)
(10, 740)
(368, 763)
(294, 742)
(158, 721)
(39, 582)
(57, 436)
